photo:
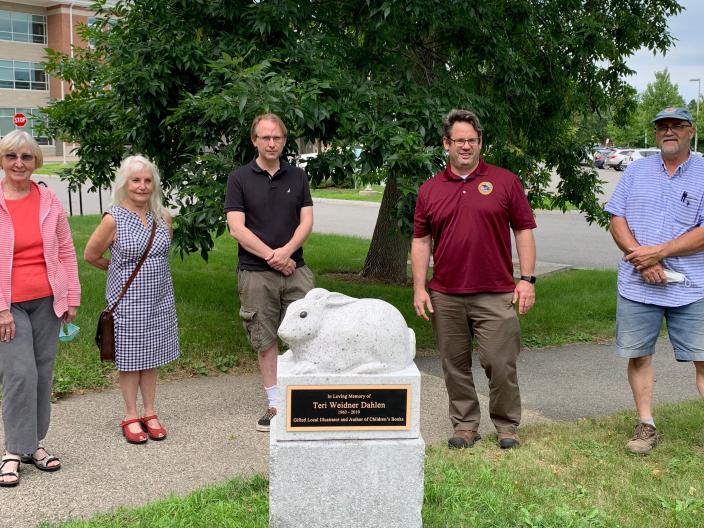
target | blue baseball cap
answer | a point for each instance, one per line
(673, 113)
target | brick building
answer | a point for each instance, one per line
(27, 27)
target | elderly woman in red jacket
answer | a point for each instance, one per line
(39, 288)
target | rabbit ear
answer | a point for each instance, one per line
(338, 299)
(317, 294)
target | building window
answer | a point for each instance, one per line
(94, 21)
(22, 75)
(91, 22)
(22, 27)
(7, 123)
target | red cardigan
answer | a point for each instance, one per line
(59, 253)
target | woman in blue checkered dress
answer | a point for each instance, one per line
(146, 332)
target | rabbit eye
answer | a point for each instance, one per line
(304, 315)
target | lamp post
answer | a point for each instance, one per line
(699, 96)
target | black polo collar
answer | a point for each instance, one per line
(283, 168)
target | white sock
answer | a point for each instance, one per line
(272, 395)
(648, 421)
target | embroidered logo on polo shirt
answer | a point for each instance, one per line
(485, 188)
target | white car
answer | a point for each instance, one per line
(304, 158)
(615, 159)
(638, 154)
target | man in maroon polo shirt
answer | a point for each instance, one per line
(463, 216)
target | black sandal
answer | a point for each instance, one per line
(43, 463)
(16, 473)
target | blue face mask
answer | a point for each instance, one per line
(68, 331)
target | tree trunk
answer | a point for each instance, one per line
(388, 252)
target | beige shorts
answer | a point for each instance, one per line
(264, 297)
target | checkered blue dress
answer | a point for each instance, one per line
(146, 331)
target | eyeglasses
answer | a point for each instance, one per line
(461, 142)
(12, 157)
(674, 128)
(276, 139)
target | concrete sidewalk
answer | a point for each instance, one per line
(212, 437)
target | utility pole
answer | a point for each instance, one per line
(699, 96)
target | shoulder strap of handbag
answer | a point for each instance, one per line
(137, 267)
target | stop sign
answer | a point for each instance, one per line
(20, 120)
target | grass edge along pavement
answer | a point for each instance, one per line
(572, 306)
(574, 474)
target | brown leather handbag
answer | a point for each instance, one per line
(105, 334)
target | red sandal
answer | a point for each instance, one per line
(133, 438)
(155, 433)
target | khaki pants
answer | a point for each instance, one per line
(264, 298)
(492, 319)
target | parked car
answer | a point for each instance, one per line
(600, 157)
(616, 158)
(638, 154)
(303, 159)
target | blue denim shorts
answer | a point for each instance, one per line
(638, 326)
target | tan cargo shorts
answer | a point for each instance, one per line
(264, 297)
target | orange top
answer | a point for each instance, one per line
(29, 277)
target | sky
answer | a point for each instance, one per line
(684, 61)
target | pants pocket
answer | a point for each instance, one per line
(252, 327)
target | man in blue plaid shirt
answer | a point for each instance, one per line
(657, 215)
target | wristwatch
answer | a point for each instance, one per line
(529, 278)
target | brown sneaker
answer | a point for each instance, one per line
(508, 440)
(644, 439)
(462, 439)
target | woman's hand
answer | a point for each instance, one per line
(70, 314)
(7, 326)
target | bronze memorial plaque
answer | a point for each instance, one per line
(348, 407)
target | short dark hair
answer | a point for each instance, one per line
(269, 117)
(464, 116)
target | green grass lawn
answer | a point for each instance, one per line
(55, 167)
(348, 194)
(572, 306)
(565, 475)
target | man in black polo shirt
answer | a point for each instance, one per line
(270, 214)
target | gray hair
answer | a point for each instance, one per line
(129, 166)
(20, 138)
(464, 116)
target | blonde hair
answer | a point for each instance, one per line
(129, 166)
(20, 138)
(266, 117)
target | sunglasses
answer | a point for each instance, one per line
(12, 157)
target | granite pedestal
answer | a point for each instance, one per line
(334, 475)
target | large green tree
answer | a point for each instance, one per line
(638, 130)
(180, 81)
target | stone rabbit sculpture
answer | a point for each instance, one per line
(329, 332)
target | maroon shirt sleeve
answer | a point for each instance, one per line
(421, 226)
(520, 214)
